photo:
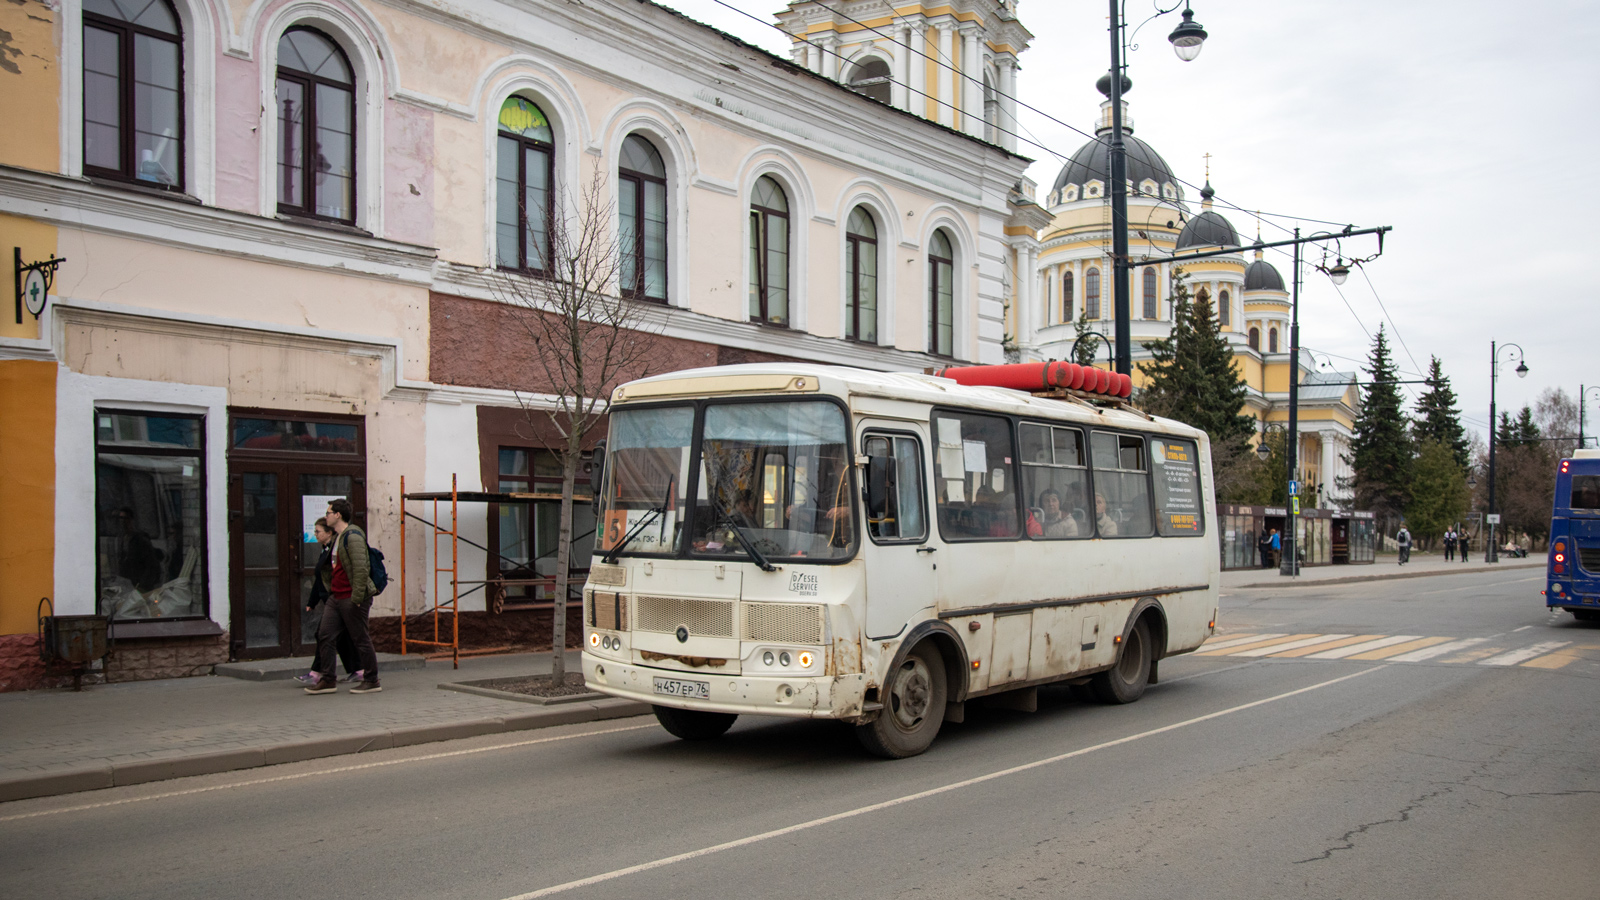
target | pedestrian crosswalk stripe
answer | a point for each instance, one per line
(1276, 639)
(1316, 648)
(1439, 650)
(1471, 656)
(1553, 661)
(1397, 649)
(1236, 640)
(1523, 655)
(1293, 645)
(1343, 652)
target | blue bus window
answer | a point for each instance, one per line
(1585, 492)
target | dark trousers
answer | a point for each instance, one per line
(1449, 550)
(345, 648)
(343, 618)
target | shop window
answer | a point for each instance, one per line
(524, 173)
(974, 490)
(769, 253)
(316, 128)
(530, 532)
(861, 277)
(150, 529)
(642, 218)
(133, 92)
(941, 295)
(294, 436)
(1121, 485)
(1055, 482)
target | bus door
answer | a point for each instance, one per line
(899, 559)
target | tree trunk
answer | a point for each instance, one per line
(558, 629)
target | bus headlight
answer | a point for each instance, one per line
(805, 660)
(783, 658)
(766, 658)
(1555, 587)
(594, 639)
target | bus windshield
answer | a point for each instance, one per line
(647, 467)
(776, 475)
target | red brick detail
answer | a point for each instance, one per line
(130, 660)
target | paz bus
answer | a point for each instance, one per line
(883, 548)
(1573, 570)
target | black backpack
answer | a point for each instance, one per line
(380, 574)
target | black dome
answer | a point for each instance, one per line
(1092, 163)
(1210, 230)
(1261, 276)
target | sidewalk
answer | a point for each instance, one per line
(58, 742)
(1386, 567)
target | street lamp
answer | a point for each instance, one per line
(1583, 400)
(1263, 452)
(1338, 273)
(1186, 41)
(1491, 553)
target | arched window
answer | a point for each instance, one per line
(941, 296)
(524, 174)
(1272, 340)
(1091, 293)
(769, 253)
(871, 78)
(1224, 310)
(1255, 338)
(1149, 292)
(861, 277)
(991, 112)
(642, 232)
(133, 91)
(316, 127)
(1066, 296)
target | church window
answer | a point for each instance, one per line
(1224, 310)
(1066, 296)
(1255, 338)
(1091, 293)
(871, 78)
(1149, 292)
(1272, 340)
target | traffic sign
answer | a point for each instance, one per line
(1294, 488)
(1492, 518)
(1294, 505)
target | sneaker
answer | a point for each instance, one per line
(308, 678)
(367, 687)
(324, 686)
(355, 676)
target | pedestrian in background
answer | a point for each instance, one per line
(321, 589)
(1277, 548)
(1404, 540)
(1449, 544)
(346, 611)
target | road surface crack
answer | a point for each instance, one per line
(1347, 840)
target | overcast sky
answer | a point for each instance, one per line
(1469, 126)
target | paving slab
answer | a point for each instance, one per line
(285, 669)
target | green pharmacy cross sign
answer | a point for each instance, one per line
(33, 283)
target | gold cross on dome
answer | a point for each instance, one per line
(1208, 166)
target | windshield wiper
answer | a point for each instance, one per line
(756, 556)
(654, 512)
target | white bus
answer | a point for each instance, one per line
(881, 548)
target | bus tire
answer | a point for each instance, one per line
(913, 709)
(694, 725)
(1125, 682)
(1584, 615)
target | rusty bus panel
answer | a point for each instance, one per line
(977, 633)
(1055, 645)
(1013, 636)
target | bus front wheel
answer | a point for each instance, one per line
(913, 709)
(1125, 682)
(693, 725)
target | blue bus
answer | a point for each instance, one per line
(1574, 565)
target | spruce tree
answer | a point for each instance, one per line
(1087, 342)
(1381, 449)
(1438, 419)
(1519, 432)
(1192, 376)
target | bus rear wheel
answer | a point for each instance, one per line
(1125, 682)
(693, 725)
(913, 709)
(1585, 615)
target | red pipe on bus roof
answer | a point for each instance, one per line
(1042, 376)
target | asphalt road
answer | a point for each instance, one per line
(1472, 773)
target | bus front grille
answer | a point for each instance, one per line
(783, 623)
(1589, 558)
(703, 618)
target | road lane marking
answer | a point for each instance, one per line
(1523, 628)
(1276, 639)
(1238, 641)
(1317, 648)
(1343, 652)
(299, 775)
(1397, 649)
(1292, 645)
(920, 795)
(1440, 650)
(1554, 661)
(1526, 653)
(1472, 655)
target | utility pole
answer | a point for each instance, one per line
(1290, 565)
(1121, 308)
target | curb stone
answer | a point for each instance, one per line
(49, 784)
(1354, 579)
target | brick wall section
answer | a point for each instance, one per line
(523, 629)
(131, 660)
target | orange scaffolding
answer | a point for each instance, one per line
(494, 588)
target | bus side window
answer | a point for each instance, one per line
(1121, 485)
(1054, 483)
(903, 518)
(973, 484)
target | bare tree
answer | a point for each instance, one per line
(587, 339)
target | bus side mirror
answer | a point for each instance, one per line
(597, 474)
(878, 486)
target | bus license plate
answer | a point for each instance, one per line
(672, 687)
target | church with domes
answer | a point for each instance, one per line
(1072, 282)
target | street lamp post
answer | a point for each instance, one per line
(1583, 400)
(1187, 40)
(1290, 564)
(1491, 552)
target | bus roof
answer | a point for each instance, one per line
(802, 378)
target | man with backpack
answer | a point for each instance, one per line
(345, 612)
(1404, 540)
